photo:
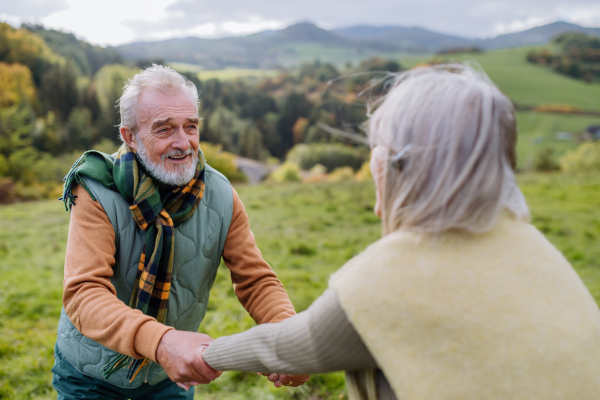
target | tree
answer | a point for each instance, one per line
(16, 85)
(88, 58)
(16, 125)
(251, 143)
(80, 131)
(257, 106)
(58, 91)
(109, 83)
(295, 106)
(27, 48)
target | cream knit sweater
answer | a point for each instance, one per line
(458, 316)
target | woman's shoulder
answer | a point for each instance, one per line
(417, 255)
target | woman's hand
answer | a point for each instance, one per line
(280, 380)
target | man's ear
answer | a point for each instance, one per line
(128, 137)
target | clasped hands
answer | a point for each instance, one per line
(179, 353)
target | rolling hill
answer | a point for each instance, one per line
(305, 41)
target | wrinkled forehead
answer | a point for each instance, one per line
(155, 104)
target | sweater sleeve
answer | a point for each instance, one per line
(318, 340)
(255, 283)
(89, 298)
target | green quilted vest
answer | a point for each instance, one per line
(199, 243)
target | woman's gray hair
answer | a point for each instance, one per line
(159, 78)
(449, 136)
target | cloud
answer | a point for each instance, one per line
(470, 18)
(104, 22)
(118, 21)
(583, 14)
(32, 9)
(183, 26)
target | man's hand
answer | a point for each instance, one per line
(280, 380)
(180, 355)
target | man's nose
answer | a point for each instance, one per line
(180, 139)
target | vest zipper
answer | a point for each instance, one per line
(147, 371)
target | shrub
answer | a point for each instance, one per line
(364, 173)
(288, 172)
(7, 188)
(330, 155)
(318, 173)
(302, 249)
(545, 161)
(222, 161)
(341, 174)
(557, 108)
(585, 158)
(106, 146)
(37, 191)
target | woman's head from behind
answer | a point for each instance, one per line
(444, 152)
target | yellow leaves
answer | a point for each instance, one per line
(299, 129)
(16, 84)
(24, 47)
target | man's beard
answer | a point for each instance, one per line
(182, 174)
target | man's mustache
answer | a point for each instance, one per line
(177, 153)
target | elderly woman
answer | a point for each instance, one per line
(462, 298)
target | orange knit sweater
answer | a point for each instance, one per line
(90, 299)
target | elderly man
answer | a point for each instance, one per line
(149, 226)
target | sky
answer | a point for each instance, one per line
(115, 22)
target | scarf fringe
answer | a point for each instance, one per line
(73, 178)
(121, 361)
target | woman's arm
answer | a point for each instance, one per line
(318, 340)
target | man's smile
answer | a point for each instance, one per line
(180, 158)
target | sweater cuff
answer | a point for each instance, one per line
(148, 337)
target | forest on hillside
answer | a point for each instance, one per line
(578, 57)
(58, 98)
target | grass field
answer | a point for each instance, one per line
(225, 74)
(305, 232)
(538, 131)
(339, 56)
(524, 82)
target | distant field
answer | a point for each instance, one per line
(294, 55)
(527, 83)
(539, 130)
(304, 231)
(225, 74)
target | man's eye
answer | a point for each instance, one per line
(162, 130)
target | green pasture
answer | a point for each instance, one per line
(524, 82)
(224, 74)
(305, 231)
(538, 131)
(294, 55)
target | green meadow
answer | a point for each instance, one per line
(224, 74)
(305, 231)
(538, 131)
(523, 82)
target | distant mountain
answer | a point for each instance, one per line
(302, 41)
(259, 50)
(537, 35)
(405, 38)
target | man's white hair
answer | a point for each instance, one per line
(159, 78)
(456, 135)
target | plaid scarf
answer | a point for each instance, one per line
(158, 217)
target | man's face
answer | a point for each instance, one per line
(168, 137)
